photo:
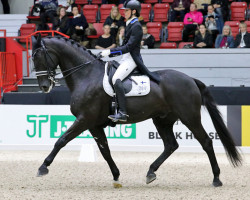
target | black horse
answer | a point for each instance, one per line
(178, 96)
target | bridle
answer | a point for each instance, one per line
(51, 72)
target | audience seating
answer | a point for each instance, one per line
(159, 15)
(167, 1)
(182, 44)
(50, 25)
(105, 10)
(121, 10)
(27, 29)
(79, 8)
(33, 18)
(99, 29)
(150, 1)
(168, 45)
(96, 1)
(238, 11)
(145, 11)
(234, 26)
(154, 28)
(81, 2)
(161, 12)
(90, 12)
(175, 31)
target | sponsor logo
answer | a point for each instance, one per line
(182, 135)
(245, 116)
(37, 122)
(59, 124)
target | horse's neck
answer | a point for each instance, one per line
(87, 73)
(69, 59)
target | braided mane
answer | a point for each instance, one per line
(73, 43)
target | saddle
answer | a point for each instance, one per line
(127, 82)
(135, 84)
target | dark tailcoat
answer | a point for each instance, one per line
(132, 44)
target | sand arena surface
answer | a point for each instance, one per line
(182, 176)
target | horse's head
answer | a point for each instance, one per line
(45, 62)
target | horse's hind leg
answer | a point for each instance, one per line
(164, 127)
(77, 128)
(195, 126)
(101, 140)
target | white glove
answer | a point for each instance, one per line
(105, 53)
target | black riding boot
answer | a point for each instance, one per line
(120, 94)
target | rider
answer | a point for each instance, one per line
(131, 56)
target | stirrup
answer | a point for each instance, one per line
(120, 116)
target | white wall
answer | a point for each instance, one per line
(218, 67)
(18, 6)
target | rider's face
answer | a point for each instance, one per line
(127, 13)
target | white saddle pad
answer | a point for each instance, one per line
(142, 87)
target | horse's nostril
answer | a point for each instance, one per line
(44, 88)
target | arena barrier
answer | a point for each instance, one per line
(8, 74)
(11, 61)
(39, 126)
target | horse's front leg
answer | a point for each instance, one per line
(101, 140)
(77, 128)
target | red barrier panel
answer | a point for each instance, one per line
(11, 69)
(8, 75)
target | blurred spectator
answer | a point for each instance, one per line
(141, 19)
(120, 36)
(221, 7)
(115, 20)
(6, 6)
(203, 39)
(106, 41)
(117, 2)
(62, 22)
(77, 24)
(48, 10)
(179, 8)
(148, 40)
(191, 21)
(213, 22)
(202, 5)
(225, 40)
(242, 40)
(68, 4)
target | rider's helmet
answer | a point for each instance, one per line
(133, 5)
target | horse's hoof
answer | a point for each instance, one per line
(150, 178)
(117, 184)
(217, 183)
(42, 171)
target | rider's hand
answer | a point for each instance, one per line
(105, 53)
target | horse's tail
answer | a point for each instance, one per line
(224, 134)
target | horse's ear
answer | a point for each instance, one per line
(34, 42)
(39, 39)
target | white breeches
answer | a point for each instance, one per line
(127, 65)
